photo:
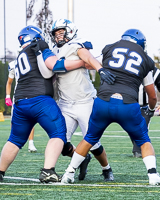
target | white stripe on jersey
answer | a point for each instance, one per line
(156, 74)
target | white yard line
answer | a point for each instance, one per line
(120, 136)
(61, 184)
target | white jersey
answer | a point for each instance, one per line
(75, 85)
(12, 75)
(11, 69)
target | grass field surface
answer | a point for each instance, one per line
(131, 180)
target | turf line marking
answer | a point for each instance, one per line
(24, 179)
(61, 184)
(81, 185)
(114, 136)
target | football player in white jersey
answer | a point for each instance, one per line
(8, 101)
(75, 89)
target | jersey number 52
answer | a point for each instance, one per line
(119, 60)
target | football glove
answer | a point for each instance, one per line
(147, 113)
(106, 76)
(38, 46)
(8, 101)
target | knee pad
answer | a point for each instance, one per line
(67, 149)
(97, 152)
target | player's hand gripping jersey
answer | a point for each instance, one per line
(74, 85)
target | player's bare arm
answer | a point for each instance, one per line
(88, 58)
(152, 98)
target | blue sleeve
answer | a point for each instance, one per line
(88, 45)
(47, 53)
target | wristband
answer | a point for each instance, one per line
(101, 69)
(8, 96)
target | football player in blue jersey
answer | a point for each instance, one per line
(119, 102)
(34, 103)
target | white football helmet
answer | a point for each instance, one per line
(68, 26)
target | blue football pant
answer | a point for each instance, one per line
(128, 116)
(42, 110)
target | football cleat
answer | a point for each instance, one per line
(32, 148)
(137, 155)
(154, 179)
(68, 177)
(83, 167)
(49, 175)
(1, 177)
(108, 175)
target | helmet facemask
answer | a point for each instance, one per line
(60, 42)
(70, 31)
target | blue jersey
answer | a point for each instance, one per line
(118, 102)
(130, 64)
(34, 102)
(30, 82)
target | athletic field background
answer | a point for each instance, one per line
(131, 180)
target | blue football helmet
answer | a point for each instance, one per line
(30, 33)
(68, 26)
(136, 36)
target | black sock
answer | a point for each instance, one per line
(152, 171)
(3, 173)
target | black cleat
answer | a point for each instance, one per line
(1, 177)
(108, 175)
(137, 155)
(49, 175)
(83, 167)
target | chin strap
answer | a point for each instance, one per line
(61, 43)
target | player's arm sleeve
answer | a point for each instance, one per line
(45, 72)
(148, 80)
(52, 63)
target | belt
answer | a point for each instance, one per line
(117, 96)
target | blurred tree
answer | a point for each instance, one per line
(43, 18)
(157, 61)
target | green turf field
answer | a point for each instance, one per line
(131, 181)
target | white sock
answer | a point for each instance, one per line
(77, 159)
(106, 167)
(150, 162)
(30, 142)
